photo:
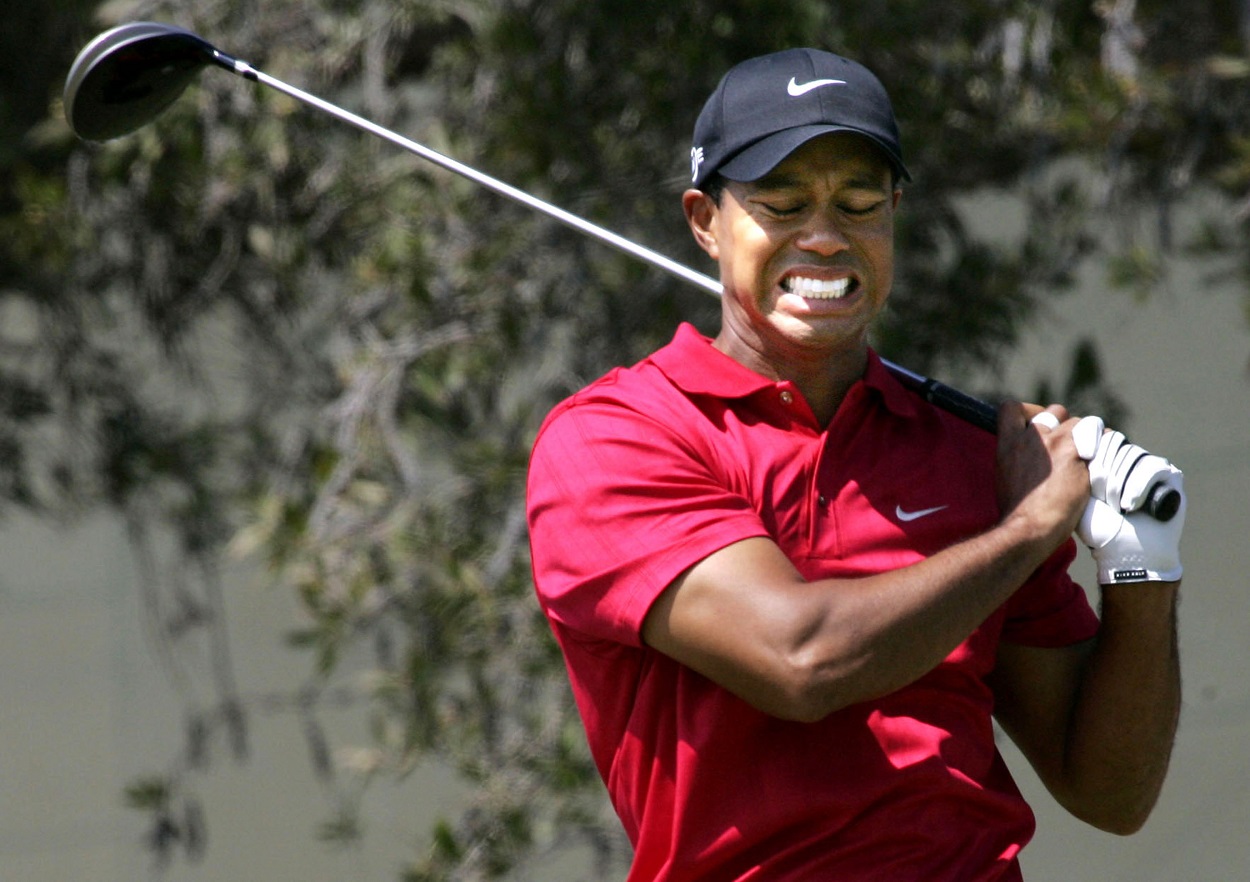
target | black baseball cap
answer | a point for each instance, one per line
(767, 107)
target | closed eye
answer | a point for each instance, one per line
(781, 209)
(863, 210)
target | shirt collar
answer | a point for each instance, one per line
(697, 367)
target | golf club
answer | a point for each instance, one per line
(128, 75)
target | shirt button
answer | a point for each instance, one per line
(822, 499)
(787, 397)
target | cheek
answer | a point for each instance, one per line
(748, 244)
(881, 257)
(887, 265)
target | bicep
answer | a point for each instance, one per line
(737, 617)
(1035, 694)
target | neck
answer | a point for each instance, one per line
(822, 375)
(824, 391)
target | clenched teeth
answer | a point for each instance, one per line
(817, 289)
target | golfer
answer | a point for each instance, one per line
(792, 596)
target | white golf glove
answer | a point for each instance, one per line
(1121, 474)
(1128, 544)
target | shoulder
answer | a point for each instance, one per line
(640, 395)
(651, 398)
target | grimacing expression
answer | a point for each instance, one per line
(806, 252)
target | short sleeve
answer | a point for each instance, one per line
(619, 505)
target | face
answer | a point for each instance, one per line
(806, 253)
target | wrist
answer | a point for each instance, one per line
(1135, 571)
(1139, 610)
(1029, 539)
(1043, 535)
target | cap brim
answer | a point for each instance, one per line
(752, 163)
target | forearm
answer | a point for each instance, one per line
(1124, 720)
(884, 632)
(745, 618)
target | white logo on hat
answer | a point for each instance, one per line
(796, 90)
(696, 160)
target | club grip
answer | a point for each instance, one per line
(1162, 502)
(979, 413)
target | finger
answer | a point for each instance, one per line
(1046, 419)
(1086, 434)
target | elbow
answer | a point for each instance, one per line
(808, 689)
(1128, 827)
(1124, 820)
(1118, 824)
(1121, 815)
(820, 670)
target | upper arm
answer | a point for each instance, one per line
(618, 507)
(1035, 694)
(739, 617)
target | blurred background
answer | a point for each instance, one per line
(267, 391)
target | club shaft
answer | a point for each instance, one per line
(972, 410)
(569, 219)
(975, 411)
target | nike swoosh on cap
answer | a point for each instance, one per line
(795, 89)
(906, 516)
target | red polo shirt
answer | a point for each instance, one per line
(652, 468)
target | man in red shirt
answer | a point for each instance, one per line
(791, 595)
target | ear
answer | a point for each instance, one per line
(701, 211)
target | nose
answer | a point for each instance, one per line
(823, 234)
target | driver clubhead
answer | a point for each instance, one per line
(126, 76)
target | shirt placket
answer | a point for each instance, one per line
(830, 476)
(817, 523)
(826, 539)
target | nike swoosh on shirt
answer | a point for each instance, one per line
(906, 516)
(795, 89)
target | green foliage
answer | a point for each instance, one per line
(253, 330)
